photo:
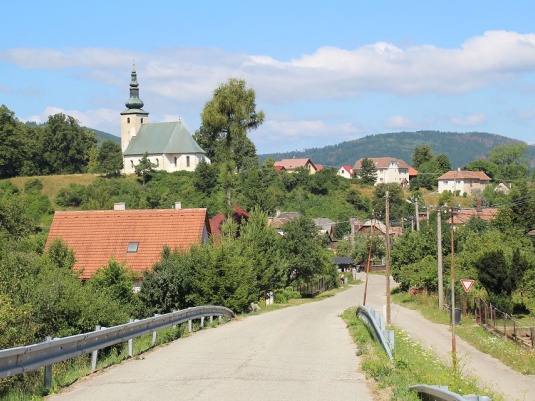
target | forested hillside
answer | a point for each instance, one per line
(460, 148)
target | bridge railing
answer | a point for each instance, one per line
(18, 360)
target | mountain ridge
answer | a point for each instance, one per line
(460, 148)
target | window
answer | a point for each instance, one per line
(175, 161)
(141, 120)
(132, 247)
(187, 161)
(132, 163)
(128, 120)
(157, 162)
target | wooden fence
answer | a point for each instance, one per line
(501, 323)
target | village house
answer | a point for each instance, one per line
(133, 237)
(290, 165)
(345, 171)
(239, 215)
(460, 181)
(389, 170)
(168, 145)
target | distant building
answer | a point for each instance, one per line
(169, 145)
(389, 170)
(345, 171)
(290, 165)
(463, 181)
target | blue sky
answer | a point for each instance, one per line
(323, 71)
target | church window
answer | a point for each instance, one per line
(141, 120)
(187, 161)
(175, 161)
(128, 120)
(132, 163)
(157, 162)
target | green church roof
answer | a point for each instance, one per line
(160, 138)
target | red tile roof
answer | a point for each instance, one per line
(412, 172)
(382, 162)
(238, 216)
(291, 164)
(97, 236)
(461, 174)
(462, 216)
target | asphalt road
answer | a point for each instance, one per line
(491, 373)
(298, 353)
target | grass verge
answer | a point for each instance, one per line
(507, 352)
(412, 365)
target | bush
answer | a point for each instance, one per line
(72, 196)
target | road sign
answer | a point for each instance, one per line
(467, 284)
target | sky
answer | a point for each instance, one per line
(323, 72)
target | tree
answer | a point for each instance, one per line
(421, 155)
(488, 167)
(110, 158)
(67, 145)
(511, 159)
(368, 171)
(11, 146)
(225, 121)
(145, 168)
(397, 201)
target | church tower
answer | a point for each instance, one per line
(134, 115)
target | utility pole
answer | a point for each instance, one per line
(352, 238)
(369, 260)
(417, 214)
(439, 267)
(387, 259)
(453, 340)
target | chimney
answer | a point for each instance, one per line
(119, 206)
(178, 205)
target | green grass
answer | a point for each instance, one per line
(412, 365)
(506, 351)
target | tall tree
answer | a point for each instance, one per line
(11, 156)
(226, 120)
(368, 171)
(110, 158)
(421, 155)
(512, 160)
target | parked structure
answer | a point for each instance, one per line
(133, 237)
(389, 170)
(169, 145)
(463, 181)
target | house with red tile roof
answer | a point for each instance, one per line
(133, 237)
(290, 165)
(239, 215)
(389, 169)
(345, 171)
(463, 181)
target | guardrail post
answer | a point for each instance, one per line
(190, 326)
(153, 338)
(94, 354)
(202, 321)
(219, 317)
(211, 319)
(48, 369)
(131, 344)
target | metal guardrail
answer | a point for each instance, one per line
(18, 360)
(377, 323)
(441, 393)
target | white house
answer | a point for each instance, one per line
(168, 145)
(345, 171)
(463, 181)
(388, 169)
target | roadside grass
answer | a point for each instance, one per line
(512, 355)
(412, 365)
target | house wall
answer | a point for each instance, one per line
(166, 162)
(462, 185)
(343, 173)
(392, 174)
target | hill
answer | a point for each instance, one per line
(458, 147)
(104, 135)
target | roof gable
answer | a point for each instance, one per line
(382, 162)
(98, 236)
(160, 138)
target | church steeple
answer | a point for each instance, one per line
(134, 102)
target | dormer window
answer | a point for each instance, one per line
(132, 247)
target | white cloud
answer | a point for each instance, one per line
(470, 120)
(399, 122)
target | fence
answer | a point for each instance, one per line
(18, 360)
(496, 321)
(310, 290)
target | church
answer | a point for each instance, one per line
(169, 145)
